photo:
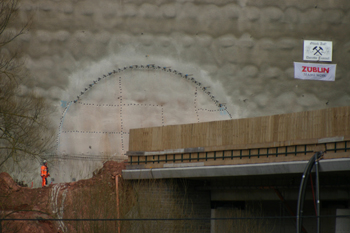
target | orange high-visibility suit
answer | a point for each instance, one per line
(44, 174)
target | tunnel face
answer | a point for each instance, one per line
(95, 124)
(98, 121)
(242, 50)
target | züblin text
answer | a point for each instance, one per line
(315, 69)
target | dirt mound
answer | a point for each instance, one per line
(73, 200)
(7, 184)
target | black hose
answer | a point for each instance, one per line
(302, 189)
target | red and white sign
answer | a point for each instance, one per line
(312, 71)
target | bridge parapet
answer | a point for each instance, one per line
(334, 147)
(268, 139)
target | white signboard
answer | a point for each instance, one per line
(317, 50)
(312, 71)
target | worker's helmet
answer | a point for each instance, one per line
(44, 161)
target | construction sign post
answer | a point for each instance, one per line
(312, 71)
(317, 50)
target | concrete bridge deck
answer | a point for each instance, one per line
(238, 163)
(255, 159)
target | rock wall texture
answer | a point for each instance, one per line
(241, 51)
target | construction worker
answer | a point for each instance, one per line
(44, 173)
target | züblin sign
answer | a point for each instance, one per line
(317, 50)
(311, 71)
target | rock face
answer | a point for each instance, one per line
(57, 201)
(242, 51)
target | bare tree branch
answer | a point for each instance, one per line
(24, 120)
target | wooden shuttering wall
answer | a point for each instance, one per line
(317, 124)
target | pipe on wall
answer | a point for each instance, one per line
(117, 197)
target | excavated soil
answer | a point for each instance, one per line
(57, 201)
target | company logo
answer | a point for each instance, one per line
(318, 49)
(311, 69)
